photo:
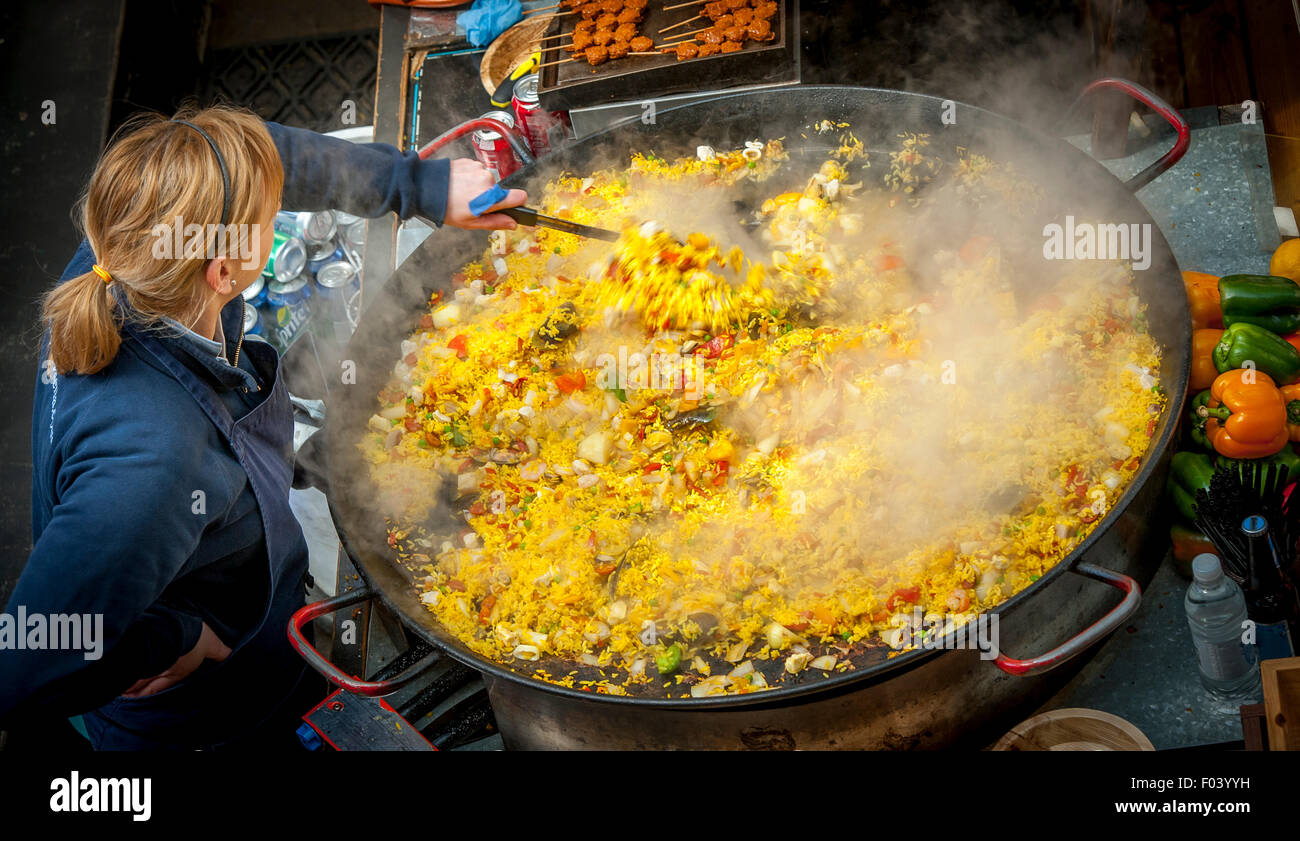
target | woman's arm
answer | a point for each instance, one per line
(371, 179)
(122, 528)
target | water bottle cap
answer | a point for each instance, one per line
(1206, 568)
(1254, 525)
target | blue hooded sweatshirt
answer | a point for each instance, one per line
(159, 502)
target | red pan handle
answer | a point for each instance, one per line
(1156, 104)
(517, 145)
(1080, 642)
(321, 663)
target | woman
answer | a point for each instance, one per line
(162, 441)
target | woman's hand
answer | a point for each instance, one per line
(209, 647)
(469, 179)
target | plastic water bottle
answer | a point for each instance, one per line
(1216, 612)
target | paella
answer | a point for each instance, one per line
(733, 452)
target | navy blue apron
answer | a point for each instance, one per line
(221, 702)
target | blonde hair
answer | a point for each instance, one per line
(153, 172)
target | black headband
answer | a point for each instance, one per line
(221, 162)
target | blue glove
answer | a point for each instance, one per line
(488, 19)
(480, 203)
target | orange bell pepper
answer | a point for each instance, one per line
(1203, 299)
(1291, 397)
(1204, 373)
(1246, 416)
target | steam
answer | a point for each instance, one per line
(943, 402)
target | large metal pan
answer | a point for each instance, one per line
(919, 698)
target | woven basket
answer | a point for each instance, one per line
(509, 49)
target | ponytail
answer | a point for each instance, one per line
(83, 324)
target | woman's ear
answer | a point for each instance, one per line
(219, 276)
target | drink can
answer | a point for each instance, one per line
(337, 285)
(252, 320)
(255, 292)
(320, 253)
(335, 278)
(494, 150)
(288, 257)
(353, 234)
(544, 130)
(289, 309)
(309, 225)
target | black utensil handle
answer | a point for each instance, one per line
(522, 215)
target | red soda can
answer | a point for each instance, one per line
(544, 130)
(494, 150)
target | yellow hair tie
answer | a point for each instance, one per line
(102, 272)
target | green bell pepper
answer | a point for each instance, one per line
(1188, 473)
(1196, 423)
(1244, 342)
(1286, 457)
(1266, 301)
(671, 660)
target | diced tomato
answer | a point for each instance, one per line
(569, 383)
(714, 347)
(904, 595)
(651, 467)
(720, 478)
(485, 609)
(460, 344)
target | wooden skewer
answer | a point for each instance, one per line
(556, 35)
(688, 34)
(684, 5)
(560, 61)
(683, 23)
(541, 9)
(557, 14)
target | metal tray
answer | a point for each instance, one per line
(565, 87)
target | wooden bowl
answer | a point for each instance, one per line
(509, 49)
(1074, 729)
